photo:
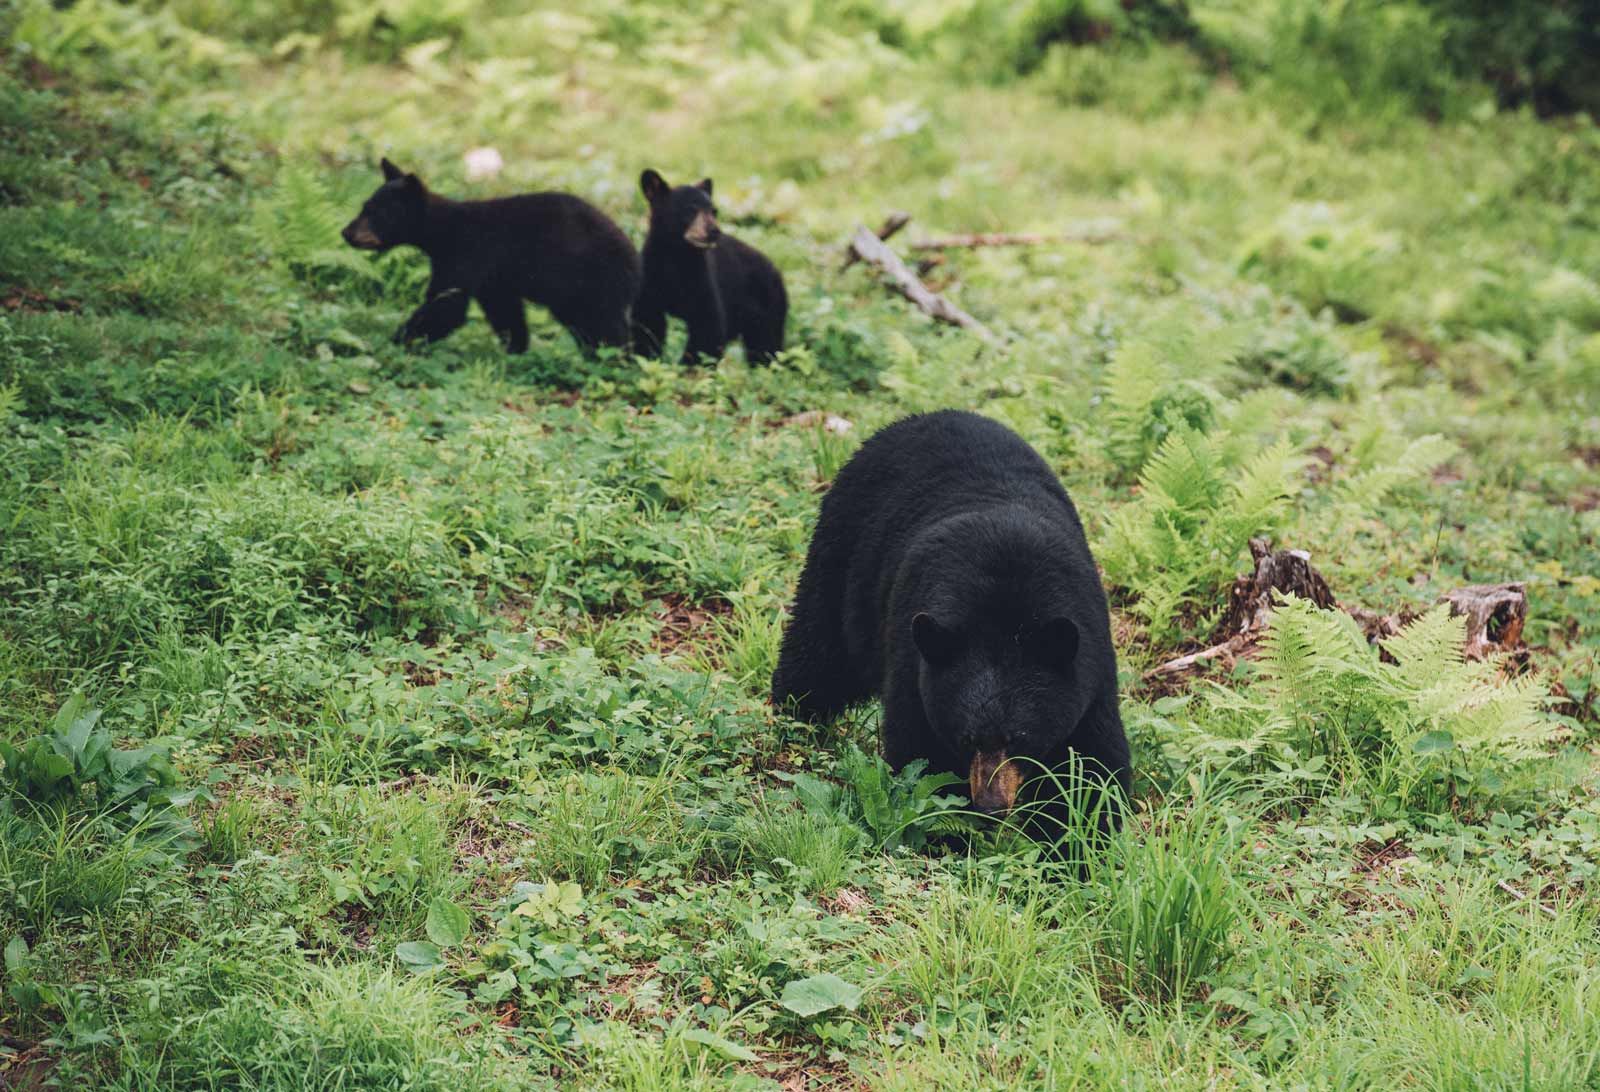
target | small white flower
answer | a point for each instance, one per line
(483, 163)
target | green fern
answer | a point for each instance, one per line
(300, 225)
(1365, 489)
(1157, 385)
(1200, 503)
(1323, 690)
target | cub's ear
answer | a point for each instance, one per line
(704, 184)
(938, 644)
(390, 171)
(1055, 641)
(653, 186)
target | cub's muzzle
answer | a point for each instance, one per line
(993, 782)
(359, 234)
(703, 231)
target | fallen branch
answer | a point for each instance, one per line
(830, 422)
(1228, 651)
(891, 224)
(875, 252)
(1016, 238)
(1520, 897)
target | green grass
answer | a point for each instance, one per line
(389, 642)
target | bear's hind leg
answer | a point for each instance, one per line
(593, 329)
(505, 314)
(814, 672)
(440, 317)
(763, 342)
(649, 328)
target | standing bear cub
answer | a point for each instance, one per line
(554, 249)
(949, 573)
(722, 288)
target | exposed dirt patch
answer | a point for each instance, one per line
(685, 623)
(1319, 468)
(355, 922)
(30, 301)
(1374, 857)
(421, 674)
(1415, 348)
(25, 1066)
(812, 1075)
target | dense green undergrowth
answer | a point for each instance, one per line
(385, 720)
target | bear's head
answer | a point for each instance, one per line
(1000, 692)
(393, 215)
(681, 212)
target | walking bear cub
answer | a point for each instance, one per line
(554, 249)
(949, 574)
(722, 288)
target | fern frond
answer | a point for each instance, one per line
(1182, 476)
(1419, 459)
(1429, 649)
(300, 225)
(1262, 491)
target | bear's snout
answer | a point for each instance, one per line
(993, 782)
(703, 232)
(359, 234)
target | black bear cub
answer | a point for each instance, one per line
(722, 288)
(949, 573)
(554, 249)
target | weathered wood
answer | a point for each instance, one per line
(830, 422)
(1495, 615)
(891, 224)
(976, 239)
(877, 253)
(1377, 626)
(1227, 651)
(1280, 572)
(1251, 601)
(1520, 897)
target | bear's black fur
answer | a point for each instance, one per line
(722, 288)
(554, 249)
(949, 573)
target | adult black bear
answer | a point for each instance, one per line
(551, 248)
(949, 573)
(722, 288)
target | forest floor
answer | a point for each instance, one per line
(387, 719)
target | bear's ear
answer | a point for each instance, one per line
(653, 186)
(390, 171)
(704, 184)
(1055, 642)
(938, 644)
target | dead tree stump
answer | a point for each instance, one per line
(1495, 615)
(1278, 572)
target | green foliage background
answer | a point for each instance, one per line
(388, 720)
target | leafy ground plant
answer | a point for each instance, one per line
(464, 656)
